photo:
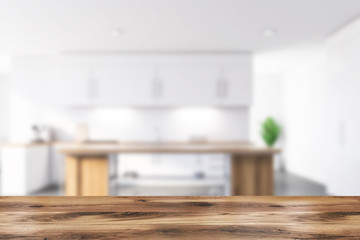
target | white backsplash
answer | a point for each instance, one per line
(132, 124)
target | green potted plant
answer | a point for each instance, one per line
(270, 131)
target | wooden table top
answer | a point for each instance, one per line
(179, 217)
(98, 149)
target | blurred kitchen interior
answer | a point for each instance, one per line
(186, 71)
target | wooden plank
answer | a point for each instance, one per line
(252, 175)
(265, 181)
(94, 177)
(102, 149)
(244, 175)
(72, 176)
(248, 176)
(235, 175)
(179, 217)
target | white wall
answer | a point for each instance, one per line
(291, 83)
(307, 126)
(4, 97)
(301, 112)
(133, 124)
(267, 100)
(320, 107)
(4, 123)
(344, 76)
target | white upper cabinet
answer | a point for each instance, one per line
(235, 85)
(72, 79)
(136, 80)
(33, 79)
(205, 80)
(121, 84)
(105, 81)
(187, 84)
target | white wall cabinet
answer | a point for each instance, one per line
(72, 81)
(188, 84)
(51, 81)
(124, 85)
(136, 80)
(33, 79)
(24, 170)
(237, 85)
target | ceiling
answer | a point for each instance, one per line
(53, 26)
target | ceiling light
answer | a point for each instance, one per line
(270, 32)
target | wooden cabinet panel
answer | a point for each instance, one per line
(87, 176)
(94, 177)
(72, 178)
(252, 175)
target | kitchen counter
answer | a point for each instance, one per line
(23, 144)
(87, 164)
(179, 217)
(181, 147)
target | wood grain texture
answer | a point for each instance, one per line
(244, 176)
(86, 176)
(252, 175)
(265, 176)
(94, 177)
(72, 176)
(101, 149)
(179, 218)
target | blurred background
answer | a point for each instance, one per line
(164, 71)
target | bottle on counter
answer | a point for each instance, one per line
(82, 134)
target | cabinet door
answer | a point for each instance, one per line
(202, 85)
(131, 81)
(188, 85)
(33, 79)
(124, 85)
(51, 80)
(37, 168)
(13, 172)
(72, 79)
(237, 88)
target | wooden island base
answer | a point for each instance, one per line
(179, 218)
(87, 165)
(252, 175)
(88, 176)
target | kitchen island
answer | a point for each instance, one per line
(87, 165)
(179, 217)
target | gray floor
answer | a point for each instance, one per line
(286, 184)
